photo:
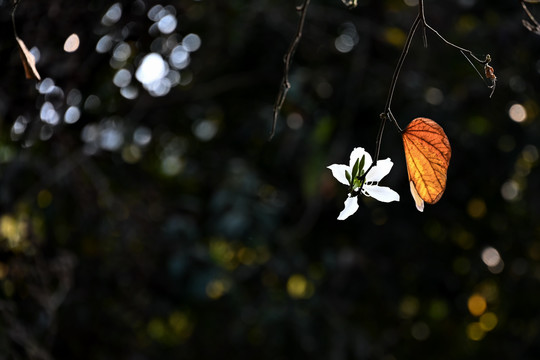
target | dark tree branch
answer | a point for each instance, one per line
(468, 54)
(285, 84)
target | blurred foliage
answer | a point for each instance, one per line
(153, 220)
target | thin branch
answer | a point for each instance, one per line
(467, 51)
(423, 16)
(285, 84)
(533, 28)
(15, 4)
(468, 54)
(387, 114)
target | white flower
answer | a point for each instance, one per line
(354, 175)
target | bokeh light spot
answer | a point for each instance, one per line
(142, 136)
(408, 308)
(490, 256)
(344, 43)
(122, 78)
(121, 52)
(395, 36)
(167, 24)
(420, 331)
(131, 154)
(72, 115)
(205, 130)
(295, 121)
(191, 42)
(156, 329)
(475, 331)
(298, 287)
(72, 43)
(517, 113)
(510, 190)
(476, 208)
(92, 102)
(438, 309)
(179, 58)
(434, 96)
(476, 304)
(48, 114)
(113, 14)
(104, 44)
(181, 325)
(246, 255)
(216, 289)
(488, 321)
(171, 165)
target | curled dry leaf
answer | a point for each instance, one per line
(28, 60)
(427, 152)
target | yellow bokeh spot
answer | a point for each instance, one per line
(408, 307)
(438, 310)
(488, 321)
(181, 324)
(131, 154)
(44, 198)
(475, 331)
(14, 230)
(246, 256)
(477, 304)
(299, 287)
(476, 208)
(156, 329)
(223, 253)
(395, 36)
(216, 289)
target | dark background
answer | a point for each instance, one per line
(169, 227)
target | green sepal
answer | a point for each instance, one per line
(355, 169)
(348, 176)
(361, 166)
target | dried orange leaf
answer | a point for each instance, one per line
(28, 60)
(427, 152)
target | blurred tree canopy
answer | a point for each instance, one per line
(145, 214)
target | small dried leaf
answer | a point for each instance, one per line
(28, 60)
(427, 152)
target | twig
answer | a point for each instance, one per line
(285, 84)
(423, 16)
(533, 28)
(15, 4)
(387, 114)
(468, 54)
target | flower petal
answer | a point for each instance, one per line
(338, 171)
(351, 205)
(417, 199)
(356, 154)
(381, 193)
(380, 170)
